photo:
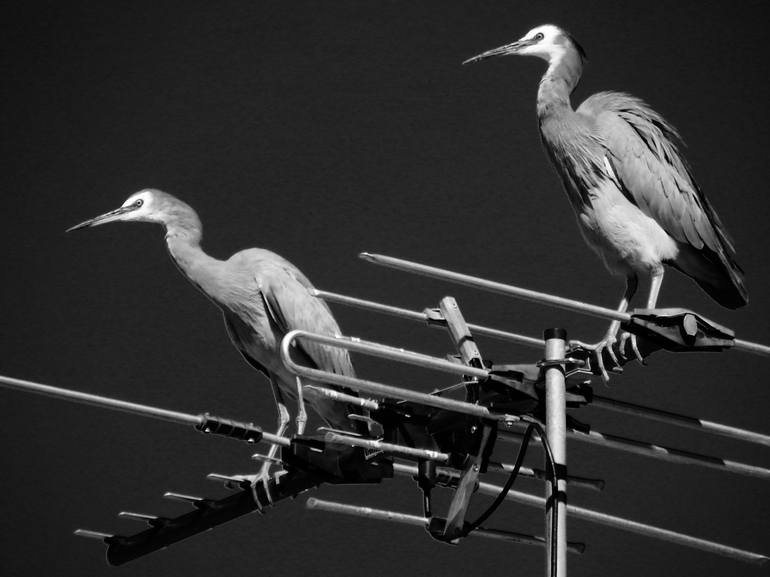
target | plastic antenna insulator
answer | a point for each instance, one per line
(214, 425)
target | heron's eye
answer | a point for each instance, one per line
(539, 36)
(138, 202)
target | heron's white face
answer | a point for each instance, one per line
(142, 206)
(548, 42)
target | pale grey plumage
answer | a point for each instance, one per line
(634, 195)
(262, 297)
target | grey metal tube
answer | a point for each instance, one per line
(423, 317)
(669, 454)
(391, 353)
(496, 287)
(615, 522)
(380, 389)
(412, 452)
(119, 405)
(419, 521)
(556, 431)
(680, 420)
(526, 294)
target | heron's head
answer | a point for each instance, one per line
(148, 205)
(548, 42)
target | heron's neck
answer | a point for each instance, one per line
(201, 269)
(561, 78)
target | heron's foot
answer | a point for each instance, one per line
(598, 349)
(262, 478)
(625, 337)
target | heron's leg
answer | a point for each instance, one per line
(267, 460)
(632, 283)
(656, 282)
(301, 418)
(283, 423)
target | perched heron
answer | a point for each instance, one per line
(637, 203)
(262, 297)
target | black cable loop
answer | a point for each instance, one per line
(533, 425)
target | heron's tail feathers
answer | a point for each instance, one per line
(716, 273)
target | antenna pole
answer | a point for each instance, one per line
(556, 433)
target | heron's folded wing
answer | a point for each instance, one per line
(643, 151)
(291, 306)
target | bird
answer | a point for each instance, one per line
(637, 203)
(262, 297)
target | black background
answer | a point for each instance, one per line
(318, 130)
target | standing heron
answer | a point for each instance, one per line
(637, 203)
(262, 297)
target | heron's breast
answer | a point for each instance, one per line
(622, 234)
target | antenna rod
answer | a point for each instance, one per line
(422, 316)
(526, 294)
(669, 454)
(377, 445)
(608, 520)
(419, 521)
(391, 353)
(380, 389)
(206, 423)
(680, 420)
(496, 287)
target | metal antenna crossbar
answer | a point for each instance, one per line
(609, 520)
(203, 422)
(419, 521)
(388, 391)
(669, 454)
(526, 294)
(426, 317)
(377, 445)
(496, 287)
(680, 420)
(391, 353)
(371, 387)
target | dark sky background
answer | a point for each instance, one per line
(318, 130)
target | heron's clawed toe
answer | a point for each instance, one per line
(625, 337)
(597, 356)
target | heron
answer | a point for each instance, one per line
(637, 203)
(262, 297)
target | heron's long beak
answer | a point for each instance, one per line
(111, 216)
(511, 48)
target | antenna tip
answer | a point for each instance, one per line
(311, 503)
(365, 255)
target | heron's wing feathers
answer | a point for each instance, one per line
(644, 153)
(642, 150)
(291, 306)
(237, 340)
